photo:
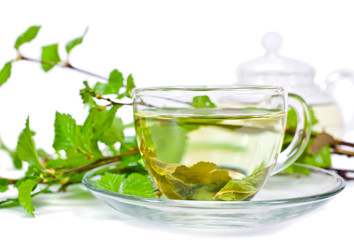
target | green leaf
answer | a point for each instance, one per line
(130, 86)
(114, 133)
(291, 121)
(115, 82)
(5, 72)
(13, 154)
(111, 181)
(297, 169)
(202, 102)
(87, 95)
(129, 142)
(27, 36)
(87, 128)
(75, 42)
(56, 163)
(287, 140)
(77, 141)
(138, 185)
(26, 148)
(103, 120)
(76, 158)
(321, 159)
(313, 116)
(50, 57)
(16, 160)
(87, 139)
(24, 194)
(3, 185)
(65, 132)
(42, 153)
(130, 160)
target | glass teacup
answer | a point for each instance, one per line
(216, 143)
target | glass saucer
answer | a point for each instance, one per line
(284, 197)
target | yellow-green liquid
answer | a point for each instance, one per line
(209, 154)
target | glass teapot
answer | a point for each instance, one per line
(298, 77)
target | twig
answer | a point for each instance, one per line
(333, 143)
(343, 173)
(105, 160)
(11, 181)
(344, 143)
(99, 96)
(65, 65)
(340, 151)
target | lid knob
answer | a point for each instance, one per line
(272, 67)
(272, 42)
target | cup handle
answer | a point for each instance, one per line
(301, 137)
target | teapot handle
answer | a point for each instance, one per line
(342, 74)
(340, 84)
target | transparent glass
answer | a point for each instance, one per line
(216, 143)
(284, 197)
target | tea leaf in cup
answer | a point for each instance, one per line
(242, 189)
(198, 182)
(205, 192)
(172, 187)
(201, 173)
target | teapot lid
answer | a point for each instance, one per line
(274, 64)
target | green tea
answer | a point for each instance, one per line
(209, 154)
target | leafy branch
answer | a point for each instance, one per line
(66, 65)
(98, 141)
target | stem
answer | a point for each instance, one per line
(10, 202)
(105, 160)
(68, 65)
(339, 151)
(339, 142)
(343, 173)
(98, 96)
(334, 146)
(11, 181)
(65, 65)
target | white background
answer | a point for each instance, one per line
(160, 43)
